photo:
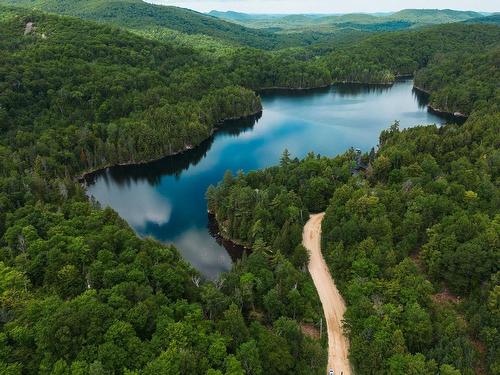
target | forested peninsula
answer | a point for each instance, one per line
(412, 240)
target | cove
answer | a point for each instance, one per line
(165, 199)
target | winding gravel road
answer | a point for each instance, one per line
(332, 301)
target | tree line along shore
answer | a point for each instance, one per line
(80, 293)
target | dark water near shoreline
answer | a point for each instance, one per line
(166, 199)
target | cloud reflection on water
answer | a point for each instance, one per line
(139, 204)
(166, 199)
(203, 252)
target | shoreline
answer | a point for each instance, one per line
(86, 175)
(282, 88)
(221, 233)
(397, 78)
(455, 115)
(83, 177)
(216, 230)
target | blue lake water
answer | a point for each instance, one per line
(166, 199)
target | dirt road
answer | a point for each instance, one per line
(332, 301)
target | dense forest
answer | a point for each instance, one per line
(383, 57)
(413, 241)
(81, 293)
(463, 82)
(79, 96)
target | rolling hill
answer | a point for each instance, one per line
(138, 15)
(433, 16)
(403, 19)
(490, 19)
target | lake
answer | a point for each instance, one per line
(166, 199)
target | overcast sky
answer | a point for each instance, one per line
(330, 6)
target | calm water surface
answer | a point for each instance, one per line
(166, 199)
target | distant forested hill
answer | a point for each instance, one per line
(412, 16)
(259, 31)
(493, 19)
(433, 16)
(139, 15)
(407, 18)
